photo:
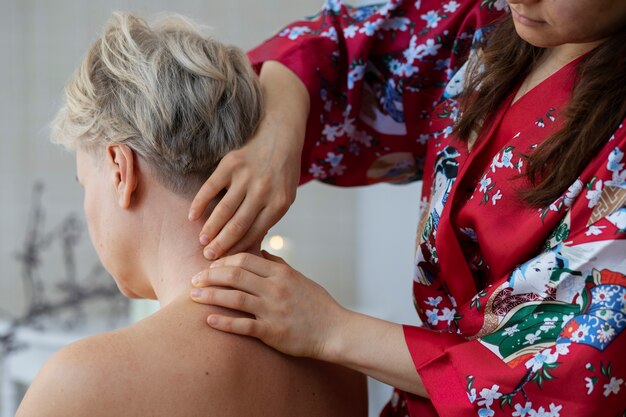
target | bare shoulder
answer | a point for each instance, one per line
(75, 381)
(172, 364)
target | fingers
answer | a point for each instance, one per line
(241, 326)
(251, 263)
(257, 232)
(219, 180)
(232, 222)
(220, 216)
(229, 276)
(228, 298)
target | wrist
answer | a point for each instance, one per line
(337, 336)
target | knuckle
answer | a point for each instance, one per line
(224, 208)
(263, 188)
(241, 299)
(234, 158)
(239, 260)
(283, 201)
(237, 226)
(234, 275)
(247, 327)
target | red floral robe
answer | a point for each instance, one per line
(523, 309)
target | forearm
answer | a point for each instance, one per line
(376, 348)
(287, 105)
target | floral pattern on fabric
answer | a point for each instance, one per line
(514, 300)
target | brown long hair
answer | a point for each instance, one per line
(596, 109)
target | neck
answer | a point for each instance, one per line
(174, 255)
(164, 252)
(563, 54)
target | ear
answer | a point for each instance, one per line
(121, 160)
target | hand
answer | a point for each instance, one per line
(260, 178)
(293, 314)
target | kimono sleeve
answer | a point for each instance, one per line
(373, 74)
(552, 342)
(564, 354)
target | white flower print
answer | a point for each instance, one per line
(350, 31)
(589, 384)
(511, 330)
(486, 412)
(501, 5)
(330, 132)
(355, 74)
(572, 192)
(332, 5)
(433, 301)
(297, 31)
(601, 294)
(432, 19)
(369, 28)
(522, 411)
(562, 348)
(615, 163)
(484, 183)
(613, 386)
(605, 333)
(566, 318)
(432, 317)
(429, 48)
(548, 324)
(331, 33)
(554, 410)
(540, 412)
(594, 194)
(471, 396)
(532, 338)
(337, 170)
(408, 69)
(395, 67)
(541, 358)
(580, 333)
(451, 6)
(317, 171)
(333, 159)
(423, 138)
(507, 157)
(594, 230)
(447, 315)
(488, 395)
(497, 196)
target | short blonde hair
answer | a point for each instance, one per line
(179, 99)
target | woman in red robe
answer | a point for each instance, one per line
(522, 296)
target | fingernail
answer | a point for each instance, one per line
(192, 214)
(196, 280)
(213, 320)
(196, 293)
(204, 239)
(216, 263)
(209, 254)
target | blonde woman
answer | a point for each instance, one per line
(149, 113)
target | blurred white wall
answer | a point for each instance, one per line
(358, 243)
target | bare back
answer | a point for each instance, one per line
(172, 364)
